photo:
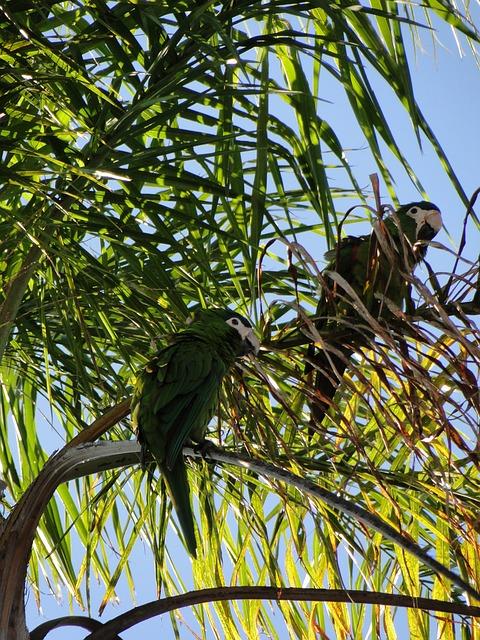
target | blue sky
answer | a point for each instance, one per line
(448, 89)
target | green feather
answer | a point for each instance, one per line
(175, 397)
(373, 265)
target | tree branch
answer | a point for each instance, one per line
(84, 622)
(279, 594)
(352, 509)
(297, 338)
(18, 530)
(100, 426)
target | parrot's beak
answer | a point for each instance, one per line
(431, 225)
(251, 343)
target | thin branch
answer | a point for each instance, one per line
(100, 456)
(297, 338)
(463, 241)
(84, 622)
(279, 594)
(101, 425)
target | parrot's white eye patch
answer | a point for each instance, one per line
(416, 213)
(237, 324)
(431, 217)
(241, 327)
(246, 333)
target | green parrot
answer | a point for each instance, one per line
(175, 397)
(373, 265)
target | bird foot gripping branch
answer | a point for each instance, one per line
(204, 447)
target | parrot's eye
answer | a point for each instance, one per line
(242, 326)
(413, 210)
(235, 322)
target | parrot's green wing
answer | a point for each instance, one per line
(374, 266)
(174, 399)
(372, 275)
(349, 258)
(176, 393)
(184, 394)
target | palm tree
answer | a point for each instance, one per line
(163, 155)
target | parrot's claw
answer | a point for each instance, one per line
(145, 458)
(204, 447)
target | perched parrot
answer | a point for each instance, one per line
(373, 265)
(176, 394)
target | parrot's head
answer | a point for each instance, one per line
(231, 326)
(425, 215)
(420, 221)
(250, 342)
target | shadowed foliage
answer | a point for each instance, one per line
(160, 156)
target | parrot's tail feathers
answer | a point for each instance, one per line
(176, 481)
(328, 376)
